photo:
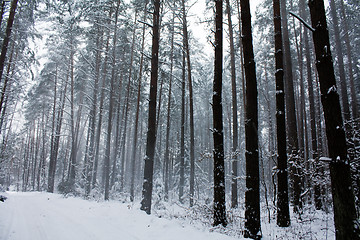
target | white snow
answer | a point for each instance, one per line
(40, 216)
(45, 216)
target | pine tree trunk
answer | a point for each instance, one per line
(252, 194)
(314, 142)
(182, 134)
(55, 137)
(7, 37)
(92, 114)
(234, 164)
(73, 155)
(293, 147)
(135, 139)
(340, 60)
(151, 134)
(218, 134)
(106, 169)
(345, 25)
(283, 215)
(6, 86)
(343, 198)
(191, 102)
(101, 108)
(168, 120)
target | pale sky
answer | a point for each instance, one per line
(200, 31)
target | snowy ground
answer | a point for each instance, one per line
(44, 216)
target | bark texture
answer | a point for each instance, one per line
(252, 194)
(151, 133)
(343, 198)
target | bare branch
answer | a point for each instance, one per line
(302, 21)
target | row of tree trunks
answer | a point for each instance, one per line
(106, 169)
(135, 136)
(345, 25)
(55, 136)
(101, 108)
(311, 88)
(293, 145)
(92, 114)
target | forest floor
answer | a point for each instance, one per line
(44, 216)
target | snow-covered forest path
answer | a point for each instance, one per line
(43, 216)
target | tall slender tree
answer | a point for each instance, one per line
(252, 194)
(151, 133)
(234, 164)
(135, 137)
(191, 103)
(345, 24)
(218, 134)
(292, 134)
(343, 198)
(311, 89)
(168, 120)
(7, 37)
(106, 170)
(340, 60)
(283, 216)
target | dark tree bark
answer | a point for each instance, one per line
(234, 163)
(6, 86)
(293, 145)
(7, 38)
(343, 198)
(252, 194)
(182, 132)
(218, 134)
(283, 215)
(151, 133)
